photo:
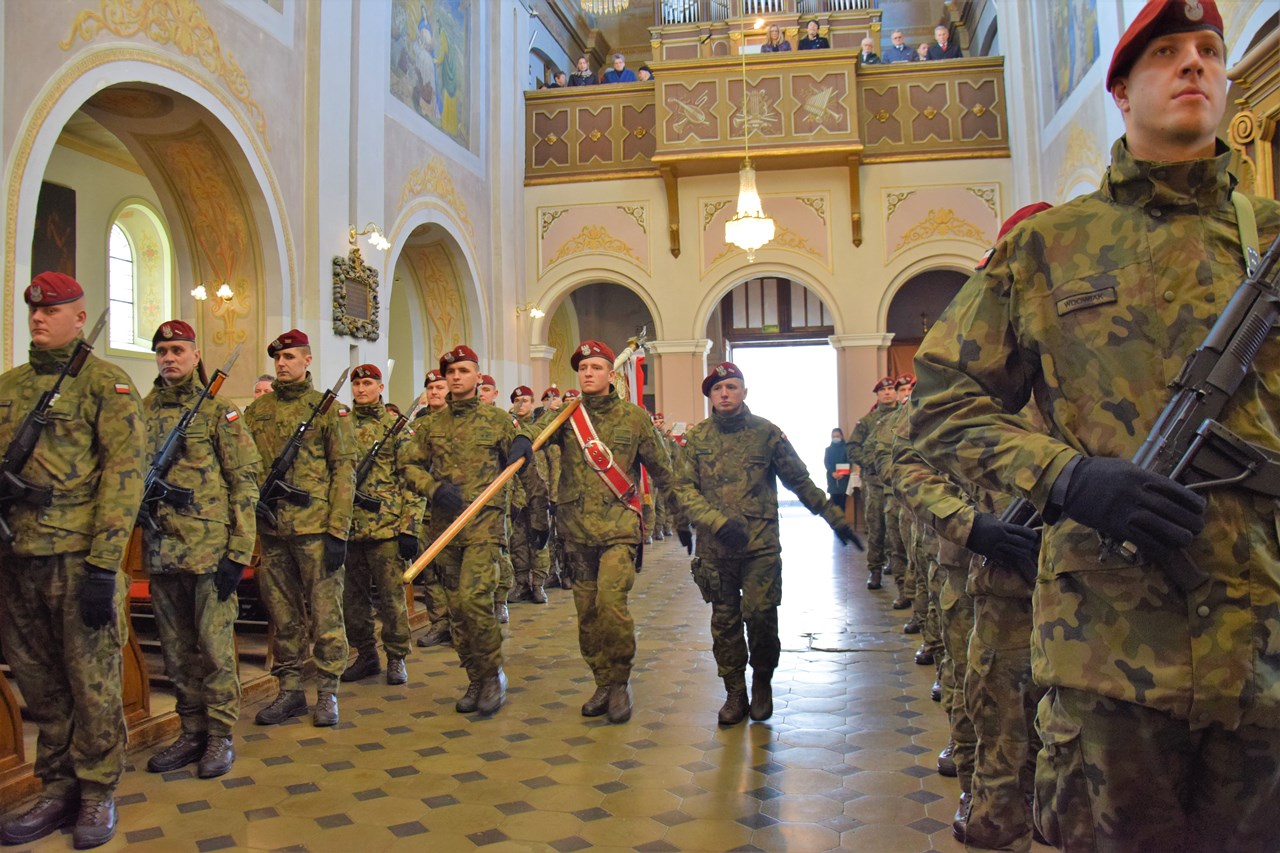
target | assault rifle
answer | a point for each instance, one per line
(14, 488)
(275, 488)
(156, 487)
(1187, 443)
(364, 500)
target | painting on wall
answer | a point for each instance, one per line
(430, 62)
(53, 246)
(1074, 49)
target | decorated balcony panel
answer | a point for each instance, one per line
(586, 134)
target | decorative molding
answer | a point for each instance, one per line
(636, 212)
(817, 203)
(541, 351)
(695, 346)
(1082, 161)
(941, 222)
(547, 217)
(892, 200)
(349, 272)
(711, 208)
(988, 196)
(594, 238)
(180, 23)
(857, 341)
(434, 179)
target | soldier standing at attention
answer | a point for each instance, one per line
(302, 554)
(1161, 724)
(432, 592)
(732, 462)
(487, 391)
(62, 616)
(196, 554)
(383, 536)
(860, 454)
(529, 539)
(457, 453)
(600, 520)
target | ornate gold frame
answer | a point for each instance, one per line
(348, 272)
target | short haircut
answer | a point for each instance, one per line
(942, 27)
(813, 21)
(895, 33)
(266, 377)
(619, 56)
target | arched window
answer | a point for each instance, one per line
(139, 279)
(122, 289)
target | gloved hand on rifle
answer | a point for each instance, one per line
(335, 553)
(408, 544)
(1127, 504)
(227, 577)
(447, 498)
(1010, 545)
(733, 534)
(97, 597)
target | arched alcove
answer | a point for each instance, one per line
(915, 307)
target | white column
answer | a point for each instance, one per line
(683, 367)
(541, 355)
(861, 360)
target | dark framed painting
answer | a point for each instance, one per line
(53, 245)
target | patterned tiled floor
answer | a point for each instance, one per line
(847, 762)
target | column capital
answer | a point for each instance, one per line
(541, 351)
(698, 346)
(854, 341)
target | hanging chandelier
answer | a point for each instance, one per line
(604, 7)
(749, 229)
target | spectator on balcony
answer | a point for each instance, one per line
(945, 48)
(645, 74)
(813, 41)
(558, 81)
(922, 52)
(898, 50)
(868, 56)
(619, 73)
(776, 43)
(582, 75)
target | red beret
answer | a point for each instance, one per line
(1161, 18)
(52, 288)
(521, 391)
(461, 352)
(904, 380)
(367, 371)
(723, 370)
(553, 391)
(591, 349)
(174, 330)
(886, 382)
(486, 379)
(660, 416)
(572, 394)
(289, 340)
(1021, 214)
(433, 376)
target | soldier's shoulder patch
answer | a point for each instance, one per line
(1104, 296)
(985, 259)
(232, 415)
(343, 411)
(122, 388)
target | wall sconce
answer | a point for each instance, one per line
(376, 240)
(534, 311)
(224, 292)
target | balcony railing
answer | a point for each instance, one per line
(701, 11)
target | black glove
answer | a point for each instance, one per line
(538, 538)
(1127, 504)
(227, 577)
(521, 448)
(732, 534)
(335, 553)
(447, 499)
(97, 597)
(1010, 545)
(551, 508)
(408, 546)
(685, 535)
(846, 535)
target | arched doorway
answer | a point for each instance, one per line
(603, 311)
(913, 311)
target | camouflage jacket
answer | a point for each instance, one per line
(466, 444)
(325, 467)
(219, 463)
(860, 441)
(1093, 307)
(588, 513)
(542, 470)
(879, 444)
(90, 455)
(401, 508)
(732, 464)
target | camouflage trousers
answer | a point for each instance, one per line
(429, 582)
(293, 584)
(198, 641)
(469, 574)
(602, 579)
(930, 575)
(874, 492)
(955, 610)
(69, 675)
(374, 568)
(918, 574)
(661, 517)
(1001, 700)
(746, 593)
(895, 545)
(530, 571)
(1113, 776)
(506, 571)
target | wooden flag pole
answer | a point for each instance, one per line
(492, 489)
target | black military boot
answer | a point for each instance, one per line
(217, 759)
(598, 703)
(935, 692)
(959, 824)
(734, 709)
(912, 626)
(493, 692)
(947, 761)
(873, 579)
(326, 711)
(396, 672)
(187, 748)
(95, 825)
(469, 700)
(619, 702)
(438, 634)
(537, 594)
(366, 664)
(288, 703)
(924, 655)
(49, 814)
(501, 613)
(762, 695)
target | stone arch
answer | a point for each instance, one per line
(556, 292)
(765, 269)
(942, 261)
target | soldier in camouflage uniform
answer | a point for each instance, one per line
(531, 564)
(457, 453)
(197, 554)
(487, 391)
(381, 540)
(301, 577)
(63, 620)
(437, 391)
(550, 560)
(860, 454)
(601, 532)
(1161, 725)
(731, 463)
(879, 454)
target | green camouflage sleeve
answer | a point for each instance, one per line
(340, 450)
(795, 476)
(122, 448)
(412, 505)
(929, 496)
(417, 465)
(692, 507)
(240, 463)
(656, 459)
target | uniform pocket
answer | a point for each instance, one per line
(1061, 790)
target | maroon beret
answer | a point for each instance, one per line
(553, 391)
(289, 340)
(1161, 18)
(572, 394)
(886, 382)
(521, 391)
(173, 330)
(905, 380)
(1021, 214)
(367, 371)
(486, 379)
(591, 349)
(722, 371)
(461, 352)
(433, 376)
(52, 288)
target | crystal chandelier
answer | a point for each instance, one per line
(604, 7)
(749, 229)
